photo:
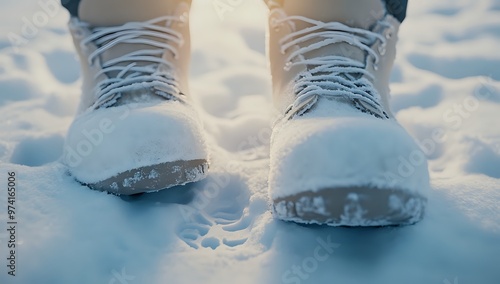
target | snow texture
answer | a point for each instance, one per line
(148, 134)
(445, 92)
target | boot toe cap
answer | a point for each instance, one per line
(106, 142)
(310, 154)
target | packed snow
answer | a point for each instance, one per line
(446, 92)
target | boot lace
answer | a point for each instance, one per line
(332, 76)
(154, 72)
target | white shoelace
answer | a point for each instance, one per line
(332, 76)
(155, 74)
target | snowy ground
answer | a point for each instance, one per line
(446, 91)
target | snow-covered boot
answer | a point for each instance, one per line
(338, 155)
(136, 130)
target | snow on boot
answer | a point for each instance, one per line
(338, 155)
(136, 130)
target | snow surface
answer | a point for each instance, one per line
(446, 92)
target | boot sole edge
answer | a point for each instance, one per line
(352, 207)
(154, 178)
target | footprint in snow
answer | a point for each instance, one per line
(216, 217)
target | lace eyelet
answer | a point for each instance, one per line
(275, 25)
(382, 49)
(375, 64)
(83, 47)
(78, 33)
(288, 66)
(389, 33)
(183, 18)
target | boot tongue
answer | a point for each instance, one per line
(98, 15)
(139, 93)
(354, 13)
(122, 49)
(108, 13)
(105, 13)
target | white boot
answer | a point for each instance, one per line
(338, 156)
(136, 130)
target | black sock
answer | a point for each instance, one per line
(71, 6)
